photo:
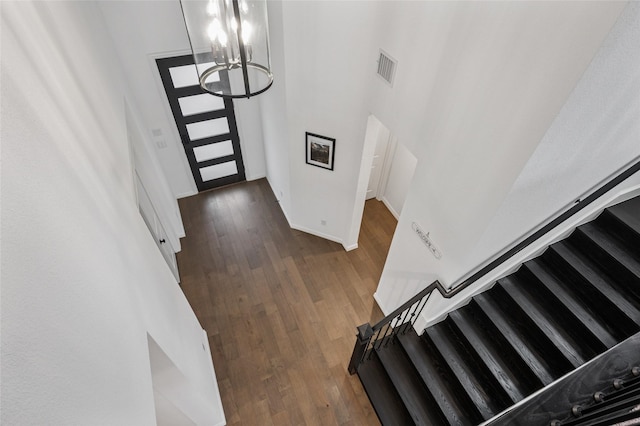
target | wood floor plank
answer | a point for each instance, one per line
(280, 306)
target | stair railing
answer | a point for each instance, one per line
(594, 193)
(368, 338)
(399, 321)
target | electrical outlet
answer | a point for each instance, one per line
(323, 222)
(161, 143)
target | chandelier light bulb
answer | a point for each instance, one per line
(216, 33)
(230, 44)
(247, 31)
(211, 9)
(212, 30)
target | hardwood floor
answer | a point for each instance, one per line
(280, 306)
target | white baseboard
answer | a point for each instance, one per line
(391, 209)
(186, 194)
(311, 231)
(256, 177)
(286, 216)
(316, 233)
(284, 212)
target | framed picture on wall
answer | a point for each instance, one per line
(320, 150)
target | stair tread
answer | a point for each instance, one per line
(533, 360)
(553, 333)
(628, 212)
(408, 384)
(489, 357)
(551, 316)
(601, 307)
(622, 229)
(574, 306)
(387, 403)
(430, 373)
(583, 268)
(612, 247)
(486, 403)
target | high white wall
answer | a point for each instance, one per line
(83, 284)
(143, 31)
(596, 133)
(489, 80)
(249, 124)
(324, 57)
(403, 165)
(151, 175)
(274, 119)
(477, 86)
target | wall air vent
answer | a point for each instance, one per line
(387, 67)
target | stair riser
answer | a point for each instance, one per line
(589, 343)
(555, 313)
(624, 278)
(469, 382)
(528, 328)
(609, 314)
(622, 232)
(512, 358)
(513, 339)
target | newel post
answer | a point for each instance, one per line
(365, 332)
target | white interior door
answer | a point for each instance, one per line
(148, 212)
(377, 166)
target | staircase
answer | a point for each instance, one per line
(577, 300)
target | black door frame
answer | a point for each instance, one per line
(173, 94)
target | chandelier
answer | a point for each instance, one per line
(230, 44)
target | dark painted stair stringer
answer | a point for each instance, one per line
(577, 300)
(578, 388)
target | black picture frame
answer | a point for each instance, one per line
(320, 150)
